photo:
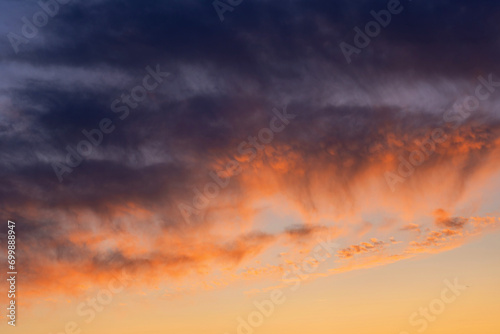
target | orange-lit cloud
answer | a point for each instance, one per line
(295, 191)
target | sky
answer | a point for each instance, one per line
(251, 167)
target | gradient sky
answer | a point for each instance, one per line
(391, 157)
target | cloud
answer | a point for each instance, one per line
(364, 247)
(119, 208)
(443, 219)
(411, 227)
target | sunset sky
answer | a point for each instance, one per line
(251, 166)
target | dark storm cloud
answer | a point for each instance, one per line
(128, 34)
